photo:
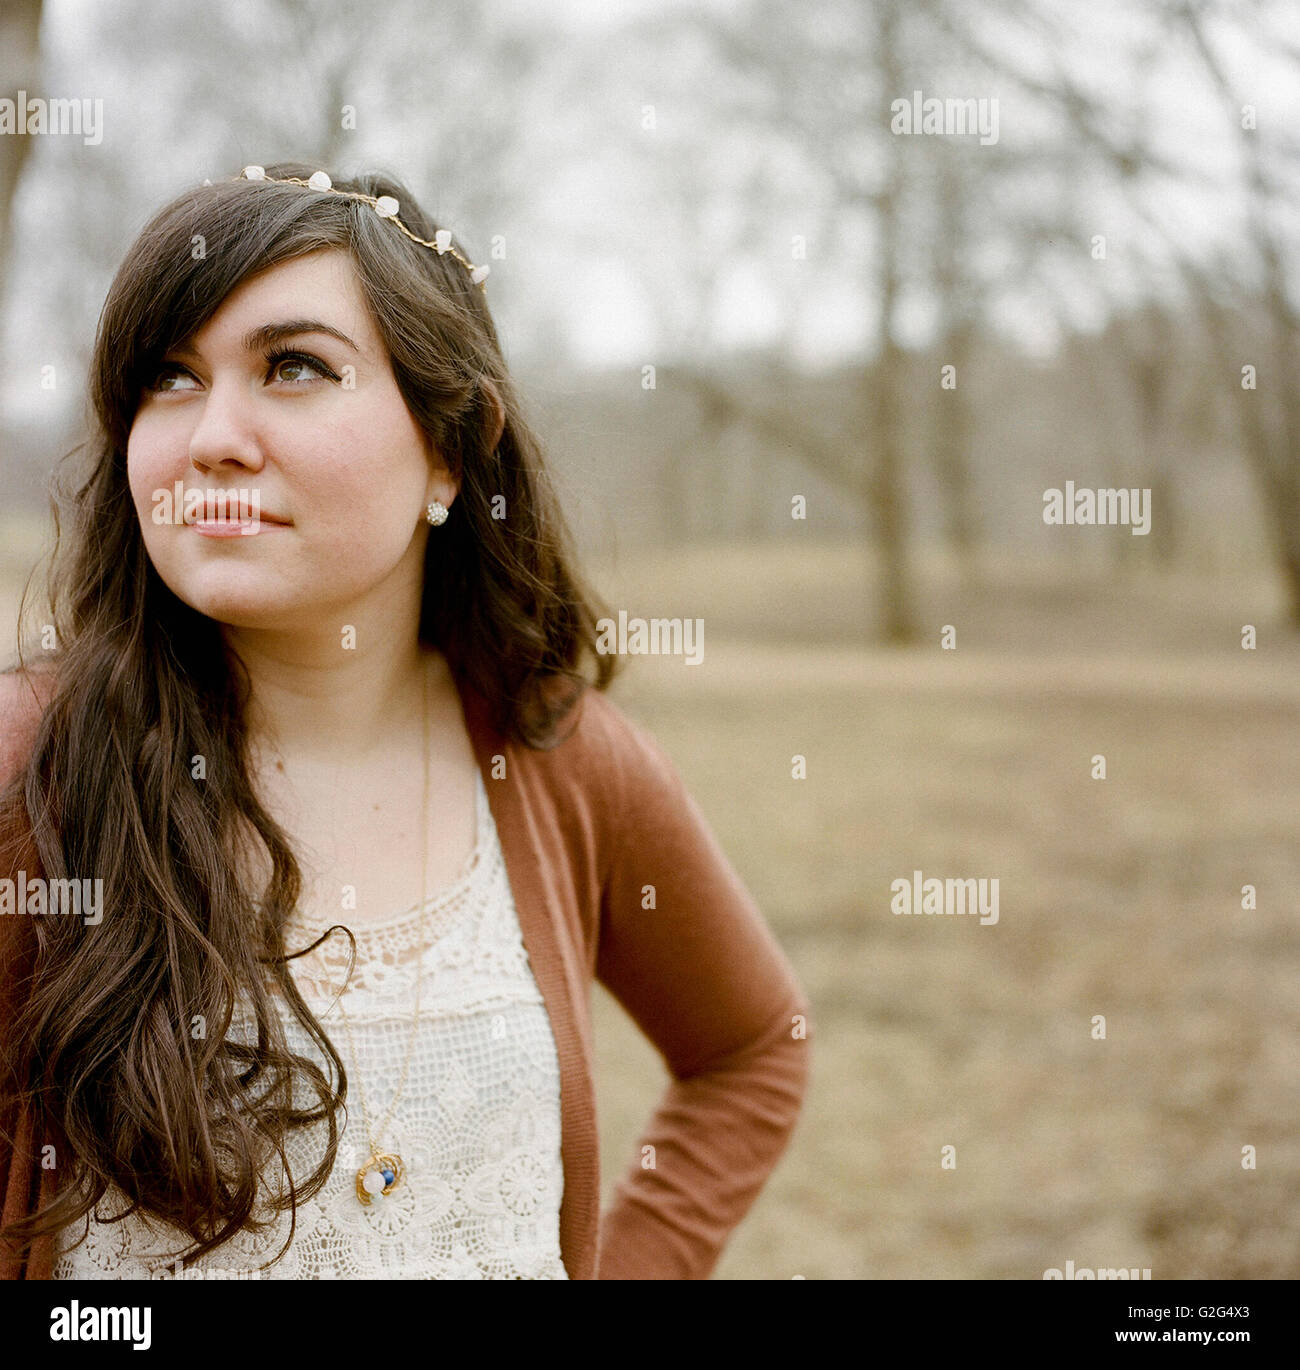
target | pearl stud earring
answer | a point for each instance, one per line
(436, 513)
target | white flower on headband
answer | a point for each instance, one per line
(386, 206)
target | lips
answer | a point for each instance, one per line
(245, 514)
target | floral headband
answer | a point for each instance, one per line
(385, 206)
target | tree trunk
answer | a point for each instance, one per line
(20, 64)
(952, 447)
(886, 483)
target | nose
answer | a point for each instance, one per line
(225, 435)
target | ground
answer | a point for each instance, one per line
(1119, 898)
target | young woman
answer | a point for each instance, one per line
(317, 825)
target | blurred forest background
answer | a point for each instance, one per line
(724, 283)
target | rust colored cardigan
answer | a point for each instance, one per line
(583, 828)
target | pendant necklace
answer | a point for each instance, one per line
(384, 1171)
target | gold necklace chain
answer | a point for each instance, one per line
(386, 1165)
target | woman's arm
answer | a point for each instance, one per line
(704, 978)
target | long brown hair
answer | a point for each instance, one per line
(102, 1051)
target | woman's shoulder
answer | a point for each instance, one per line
(25, 692)
(610, 762)
(601, 736)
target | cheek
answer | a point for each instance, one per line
(148, 467)
(369, 482)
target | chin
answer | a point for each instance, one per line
(241, 600)
(236, 611)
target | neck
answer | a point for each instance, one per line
(311, 697)
(317, 694)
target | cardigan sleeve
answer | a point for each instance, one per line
(686, 952)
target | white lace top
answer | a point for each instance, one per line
(477, 1124)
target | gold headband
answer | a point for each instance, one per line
(385, 206)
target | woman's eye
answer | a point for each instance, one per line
(172, 378)
(297, 370)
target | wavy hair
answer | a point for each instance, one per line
(102, 1051)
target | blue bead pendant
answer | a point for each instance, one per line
(380, 1175)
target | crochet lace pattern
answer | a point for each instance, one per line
(478, 1122)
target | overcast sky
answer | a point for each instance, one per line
(597, 302)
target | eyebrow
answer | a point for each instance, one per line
(267, 334)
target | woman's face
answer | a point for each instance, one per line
(285, 402)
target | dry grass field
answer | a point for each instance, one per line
(1118, 897)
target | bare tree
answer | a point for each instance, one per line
(1269, 417)
(20, 63)
(958, 296)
